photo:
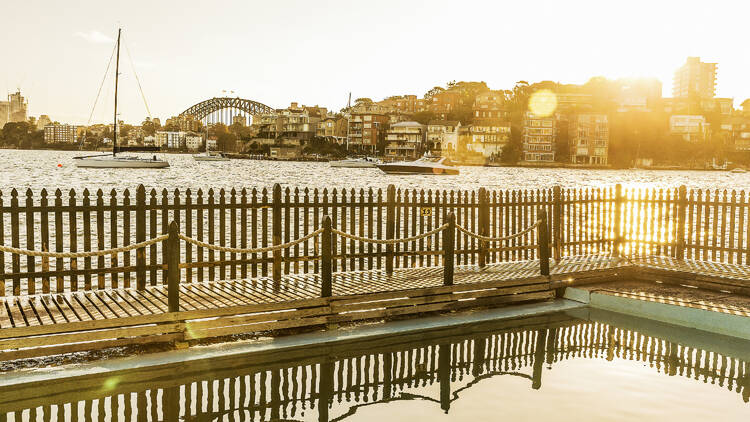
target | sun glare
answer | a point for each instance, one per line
(543, 103)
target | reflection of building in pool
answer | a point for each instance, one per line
(334, 383)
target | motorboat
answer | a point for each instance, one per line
(426, 165)
(356, 163)
(211, 156)
(120, 161)
(738, 170)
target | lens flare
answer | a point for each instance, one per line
(111, 383)
(543, 103)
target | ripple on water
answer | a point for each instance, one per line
(38, 169)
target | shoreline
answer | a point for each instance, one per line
(569, 166)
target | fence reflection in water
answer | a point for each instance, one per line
(332, 385)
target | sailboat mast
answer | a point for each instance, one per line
(117, 75)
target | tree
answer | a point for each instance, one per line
(423, 117)
(434, 91)
(364, 101)
(322, 146)
(150, 127)
(22, 135)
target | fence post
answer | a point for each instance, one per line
(543, 242)
(390, 227)
(326, 258)
(173, 267)
(449, 235)
(618, 221)
(484, 223)
(681, 223)
(276, 233)
(557, 221)
(140, 236)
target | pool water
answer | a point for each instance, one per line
(599, 366)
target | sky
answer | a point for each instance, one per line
(316, 52)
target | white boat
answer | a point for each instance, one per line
(356, 163)
(211, 156)
(425, 165)
(738, 170)
(119, 161)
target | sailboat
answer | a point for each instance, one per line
(114, 160)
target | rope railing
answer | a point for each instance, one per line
(86, 254)
(250, 251)
(173, 252)
(498, 239)
(390, 241)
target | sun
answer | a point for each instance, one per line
(543, 103)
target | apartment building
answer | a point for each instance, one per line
(57, 133)
(367, 124)
(294, 122)
(193, 142)
(692, 128)
(539, 135)
(403, 104)
(170, 139)
(489, 137)
(184, 123)
(490, 105)
(404, 139)
(588, 135)
(13, 110)
(695, 79)
(332, 128)
(444, 103)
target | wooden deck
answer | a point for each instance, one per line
(46, 324)
(95, 305)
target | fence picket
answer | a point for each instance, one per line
(711, 226)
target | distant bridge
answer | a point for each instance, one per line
(225, 109)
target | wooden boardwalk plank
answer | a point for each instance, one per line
(412, 286)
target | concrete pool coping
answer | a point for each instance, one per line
(273, 344)
(691, 308)
(702, 327)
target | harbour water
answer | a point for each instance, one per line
(39, 169)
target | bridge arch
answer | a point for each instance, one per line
(226, 109)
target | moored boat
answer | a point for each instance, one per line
(113, 160)
(120, 161)
(367, 162)
(425, 165)
(211, 156)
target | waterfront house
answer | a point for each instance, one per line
(442, 135)
(404, 140)
(539, 136)
(367, 125)
(588, 135)
(489, 136)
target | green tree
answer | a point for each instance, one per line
(150, 127)
(434, 91)
(423, 117)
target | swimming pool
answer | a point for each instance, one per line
(590, 366)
